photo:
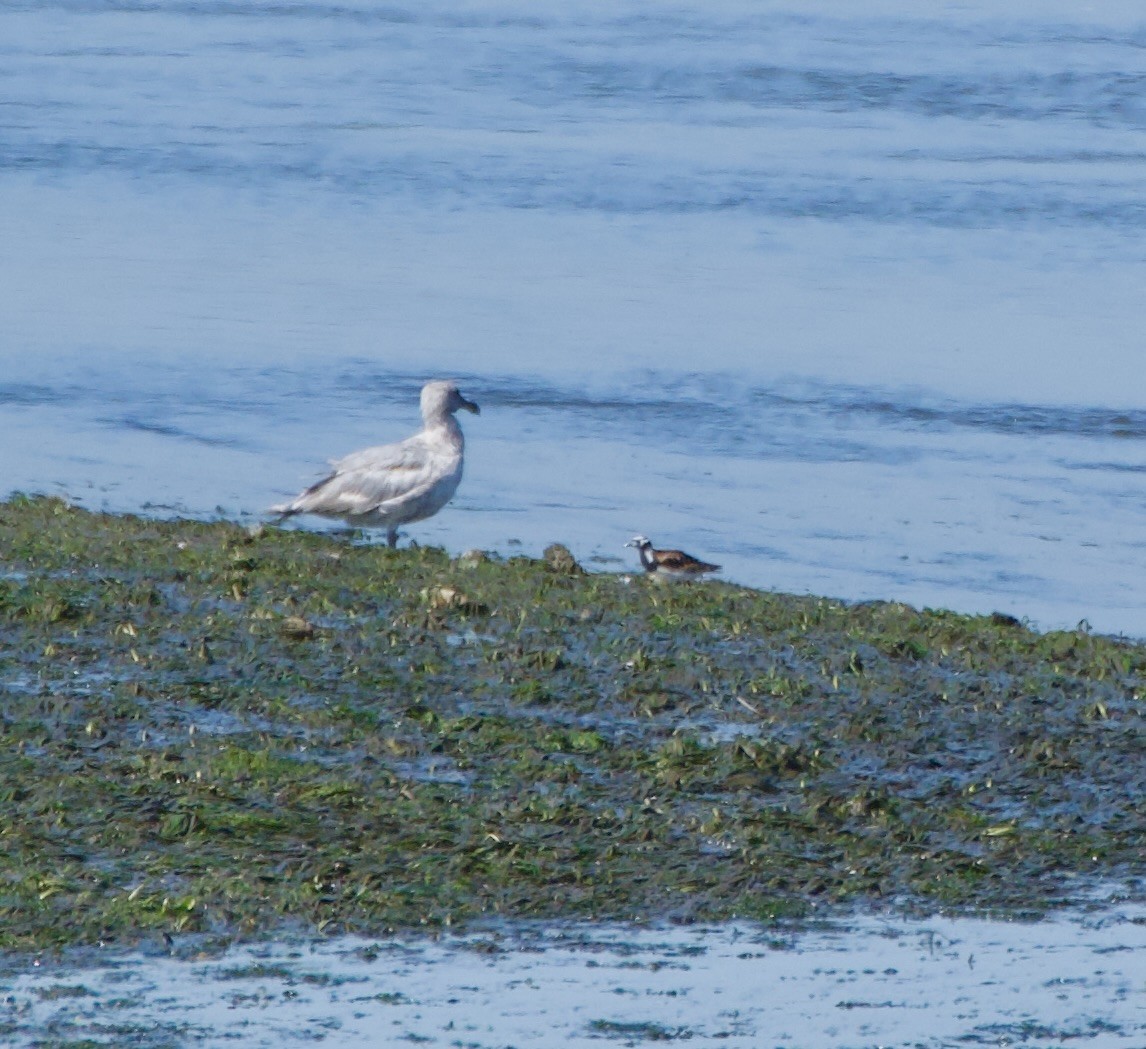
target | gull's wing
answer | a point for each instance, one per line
(366, 480)
(410, 454)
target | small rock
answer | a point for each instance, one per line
(472, 558)
(1004, 619)
(559, 559)
(442, 597)
(297, 628)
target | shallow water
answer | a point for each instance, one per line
(851, 982)
(848, 302)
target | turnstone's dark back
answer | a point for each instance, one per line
(669, 565)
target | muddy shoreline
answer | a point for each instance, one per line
(217, 732)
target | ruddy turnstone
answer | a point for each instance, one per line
(395, 484)
(670, 565)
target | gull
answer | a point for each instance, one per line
(395, 484)
(670, 565)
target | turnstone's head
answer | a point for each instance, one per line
(639, 541)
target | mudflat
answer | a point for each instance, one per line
(210, 729)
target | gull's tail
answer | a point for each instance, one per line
(305, 502)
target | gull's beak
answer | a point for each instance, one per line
(468, 405)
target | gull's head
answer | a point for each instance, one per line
(441, 397)
(639, 541)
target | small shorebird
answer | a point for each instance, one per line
(671, 565)
(395, 484)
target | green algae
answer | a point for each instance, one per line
(208, 729)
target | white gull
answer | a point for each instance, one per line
(395, 484)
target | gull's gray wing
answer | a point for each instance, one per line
(410, 454)
(365, 481)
